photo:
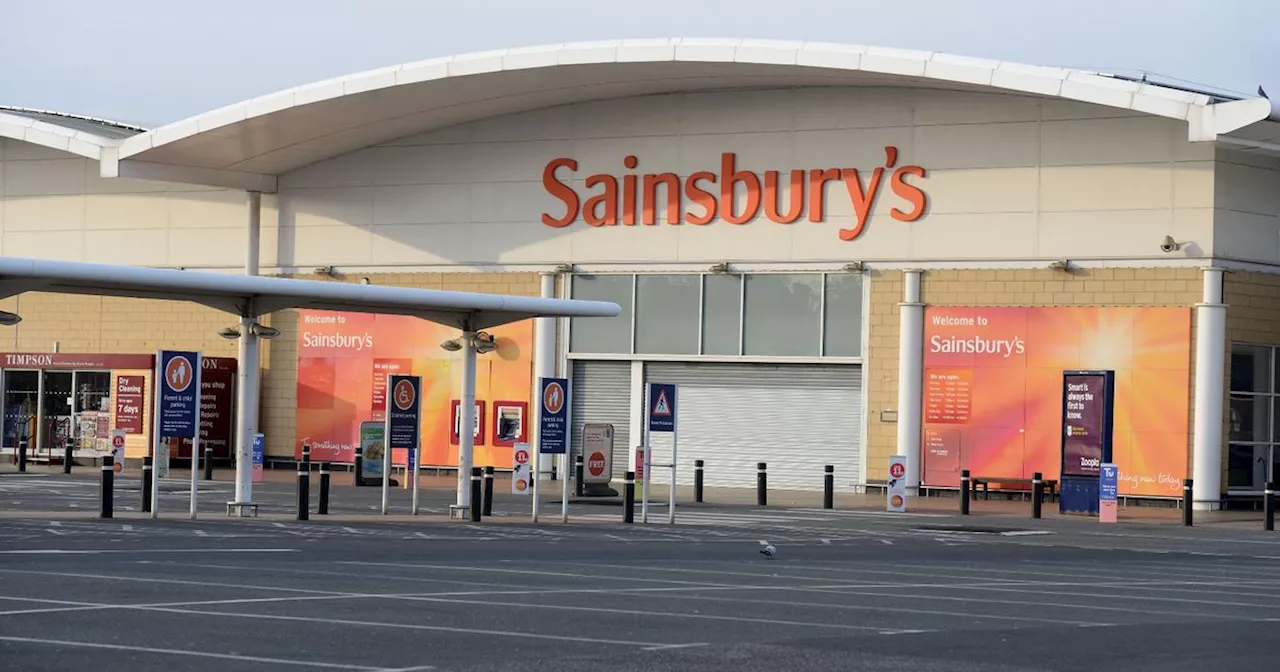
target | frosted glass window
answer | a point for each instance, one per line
(781, 314)
(602, 334)
(721, 314)
(842, 331)
(667, 314)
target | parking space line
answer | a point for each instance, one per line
(190, 654)
(1040, 591)
(786, 576)
(530, 572)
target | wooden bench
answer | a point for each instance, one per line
(1050, 486)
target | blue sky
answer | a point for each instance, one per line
(157, 61)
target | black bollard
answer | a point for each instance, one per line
(66, 459)
(964, 492)
(208, 464)
(577, 476)
(697, 481)
(629, 497)
(1186, 502)
(488, 491)
(762, 484)
(108, 490)
(358, 479)
(476, 504)
(829, 486)
(22, 456)
(1037, 494)
(304, 485)
(323, 506)
(1269, 506)
(146, 484)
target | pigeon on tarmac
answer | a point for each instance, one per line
(768, 550)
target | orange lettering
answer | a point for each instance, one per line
(911, 193)
(651, 182)
(629, 193)
(609, 199)
(701, 196)
(727, 209)
(561, 191)
(795, 197)
(818, 191)
(863, 200)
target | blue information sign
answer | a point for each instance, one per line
(553, 422)
(178, 400)
(1109, 485)
(404, 414)
(259, 450)
(662, 407)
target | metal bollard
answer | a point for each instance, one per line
(762, 484)
(304, 485)
(208, 464)
(1037, 494)
(22, 456)
(323, 507)
(829, 486)
(358, 479)
(488, 491)
(66, 460)
(475, 494)
(697, 481)
(108, 490)
(577, 476)
(1269, 506)
(964, 492)
(1186, 502)
(629, 497)
(146, 484)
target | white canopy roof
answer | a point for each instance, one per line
(247, 144)
(84, 136)
(252, 296)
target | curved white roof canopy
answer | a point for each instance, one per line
(80, 135)
(252, 296)
(247, 144)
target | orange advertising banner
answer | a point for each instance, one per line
(993, 391)
(343, 363)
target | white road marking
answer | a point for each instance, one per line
(532, 573)
(192, 654)
(144, 551)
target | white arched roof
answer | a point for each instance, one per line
(247, 144)
(80, 135)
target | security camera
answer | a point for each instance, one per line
(1169, 245)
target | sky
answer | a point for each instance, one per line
(157, 61)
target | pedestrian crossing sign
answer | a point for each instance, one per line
(662, 407)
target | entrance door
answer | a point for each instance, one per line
(56, 411)
(21, 403)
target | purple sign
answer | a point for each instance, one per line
(1083, 423)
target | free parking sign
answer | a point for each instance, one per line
(178, 401)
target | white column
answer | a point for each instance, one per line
(248, 372)
(910, 376)
(466, 438)
(1211, 348)
(544, 366)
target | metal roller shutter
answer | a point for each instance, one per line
(602, 393)
(795, 417)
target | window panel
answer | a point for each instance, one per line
(1250, 368)
(1250, 418)
(721, 314)
(1240, 466)
(667, 314)
(842, 330)
(602, 334)
(781, 314)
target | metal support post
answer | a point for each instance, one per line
(1187, 506)
(488, 491)
(1037, 494)
(146, 484)
(964, 492)
(629, 497)
(108, 490)
(304, 485)
(475, 494)
(323, 507)
(762, 484)
(829, 486)
(697, 481)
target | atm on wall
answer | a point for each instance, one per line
(1088, 404)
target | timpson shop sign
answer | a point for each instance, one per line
(703, 196)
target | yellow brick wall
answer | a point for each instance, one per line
(91, 324)
(1026, 287)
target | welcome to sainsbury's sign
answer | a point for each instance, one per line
(715, 194)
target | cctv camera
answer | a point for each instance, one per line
(1169, 245)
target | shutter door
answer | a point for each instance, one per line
(795, 417)
(602, 393)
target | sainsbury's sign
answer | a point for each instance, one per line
(733, 195)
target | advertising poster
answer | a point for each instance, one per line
(343, 363)
(993, 391)
(1084, 423)
(372, 447)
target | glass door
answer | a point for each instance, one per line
(55, 411)
(21, 403)
(92, 415)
